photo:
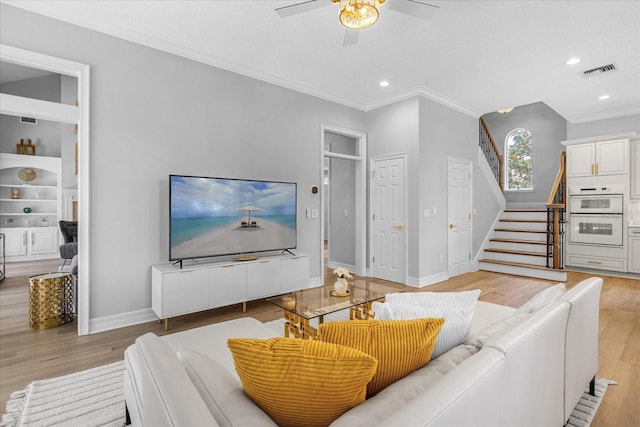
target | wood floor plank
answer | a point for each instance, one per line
(27, 355)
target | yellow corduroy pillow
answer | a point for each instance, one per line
(400, 346)
(300, 382)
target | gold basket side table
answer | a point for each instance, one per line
(50, 300)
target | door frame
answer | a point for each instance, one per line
(469, 163)
(79, 115)
(361, 190)
(405, 208)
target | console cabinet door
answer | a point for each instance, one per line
(227, 285)
(263, 279)
(294, 274)
(15, 242)
(43, 240)
(184, 291)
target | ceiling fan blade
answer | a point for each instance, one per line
(305, 6)
(413, 8)
(350, 38)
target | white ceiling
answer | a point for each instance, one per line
(475, 56)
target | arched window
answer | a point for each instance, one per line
(518, 161)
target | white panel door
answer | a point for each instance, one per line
(459, 211)
(387, 219)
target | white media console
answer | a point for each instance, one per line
(176, 291)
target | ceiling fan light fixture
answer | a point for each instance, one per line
(359, 14)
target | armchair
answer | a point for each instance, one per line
(69, 248)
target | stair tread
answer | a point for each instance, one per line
(509, 251)
(519, 264)
(521, 230)
(524, 242)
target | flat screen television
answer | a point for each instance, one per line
(220, 216)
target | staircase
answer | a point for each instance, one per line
(519, 246)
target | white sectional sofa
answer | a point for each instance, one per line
(525, 367)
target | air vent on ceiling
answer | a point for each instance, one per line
(597, 71)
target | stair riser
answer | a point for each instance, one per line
(542, 226)
(525, 215)
(538, 237)
(559, 276)
(517, 246)
(525, 259)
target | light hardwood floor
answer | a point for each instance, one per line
(27, 355)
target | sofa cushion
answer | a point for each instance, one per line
(500, 327)
(542, 298)
(454, 330)
(400, 346)
(222, 392)
(300, 382)
(393, 398)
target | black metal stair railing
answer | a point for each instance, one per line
(491, 153)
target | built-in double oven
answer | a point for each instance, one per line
(596, 216)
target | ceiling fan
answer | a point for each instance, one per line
(358, 14)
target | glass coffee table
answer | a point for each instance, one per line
(302, 306)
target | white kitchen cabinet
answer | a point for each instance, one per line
(598, 158)
(635, 169)
(30, 243)
(176, 291)
(634, 249)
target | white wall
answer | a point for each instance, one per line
(153, 114)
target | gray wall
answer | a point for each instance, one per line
(548, 128)
(604, 127)
(342, 197)
(45, 134)
(447, 133)
(391, 130)
(153, 114)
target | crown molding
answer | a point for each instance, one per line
(604, 116)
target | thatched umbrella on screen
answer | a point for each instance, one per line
(249, 208)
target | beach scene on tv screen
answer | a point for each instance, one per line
(212, 216)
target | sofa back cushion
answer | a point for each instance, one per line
(400, 346)
(169, 399)
(300, 382)
(222, 392)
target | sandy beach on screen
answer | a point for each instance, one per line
(235, 239)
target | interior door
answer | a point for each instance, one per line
(459, 211)
(387, 219)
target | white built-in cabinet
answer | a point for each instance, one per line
(635, 169)
(198, 287)
(598, 158)
(634, 249)
(29, 211)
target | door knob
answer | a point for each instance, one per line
(398, 227)
(452, 226)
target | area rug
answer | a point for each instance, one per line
(94, 397)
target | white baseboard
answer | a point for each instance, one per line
(427, 280)
(121, 320)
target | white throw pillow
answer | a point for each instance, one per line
(456, 321)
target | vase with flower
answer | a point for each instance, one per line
(341, 286)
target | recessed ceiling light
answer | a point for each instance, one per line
(603, 97)
(573, 61)
(384, 83)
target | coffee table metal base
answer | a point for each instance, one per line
(300, 327)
